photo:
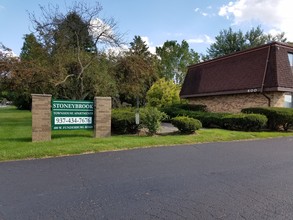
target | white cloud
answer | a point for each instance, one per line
(152, 48)
(146, 40)
(117, 50)
(205, 14)
(99, 28)
(275, 14)
(6, 52)
(273, 32)
(123, 48)
(201, 39)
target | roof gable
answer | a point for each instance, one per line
(283, 70)
(242, 72)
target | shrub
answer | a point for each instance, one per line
(151, 119)
(22, 101)
(171, 111)
(190, 107)
(208, 119)
(277, 117)
(244, 122)
(186, 124)
(123, 121)
(162, 93)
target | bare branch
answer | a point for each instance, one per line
(63, 81)
(72, 41)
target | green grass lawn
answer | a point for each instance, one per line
(15, 139)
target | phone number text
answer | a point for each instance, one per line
(72, 120)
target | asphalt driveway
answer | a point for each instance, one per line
(236, 180)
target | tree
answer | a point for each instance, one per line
(29, 74)
(65, 56)
(174, 59)
(32, 50)
(5, 59)
(73, 33)
(8, 64)
(228, 41)
(139, 47)
(73, 43)
(135, 72)
(162, 93)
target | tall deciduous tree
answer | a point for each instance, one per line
(136, 71)
(7, 64)
(174, 59)
(31, 74)
(73, 33)
(229, 41)
(73, 42)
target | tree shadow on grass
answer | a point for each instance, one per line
(176, 133)
(18, 140)
(58, 136)
(53, 136)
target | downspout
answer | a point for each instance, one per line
(268, 98)
(264, 77)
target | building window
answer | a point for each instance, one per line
(288, 103)
(290, 57)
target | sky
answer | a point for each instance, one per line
(156, 21)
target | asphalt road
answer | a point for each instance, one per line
(237, 180)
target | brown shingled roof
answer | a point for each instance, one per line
(241, 72)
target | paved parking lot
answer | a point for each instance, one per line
(236, 180)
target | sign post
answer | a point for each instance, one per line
(72, 115)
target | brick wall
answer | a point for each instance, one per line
(41, 117)
(103, 106)
(234, 103)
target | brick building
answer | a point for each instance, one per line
(257, 77)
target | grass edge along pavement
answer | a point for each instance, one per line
(15, 139)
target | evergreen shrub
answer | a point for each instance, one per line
(123, 121)
(278, 118)
(244, 122)
(186, 125)
(151, 119)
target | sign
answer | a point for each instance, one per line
(137, 118)
(288, 98)
(72, 115)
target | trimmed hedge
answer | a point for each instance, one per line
(244, 122)
(182, 109)
(123, 121)
(172, 112)
(191, 107)
(208, 119)
(221, 120)
(278, 118)
(186, 125)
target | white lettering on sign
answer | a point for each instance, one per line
(72, 120)
(72, 106)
